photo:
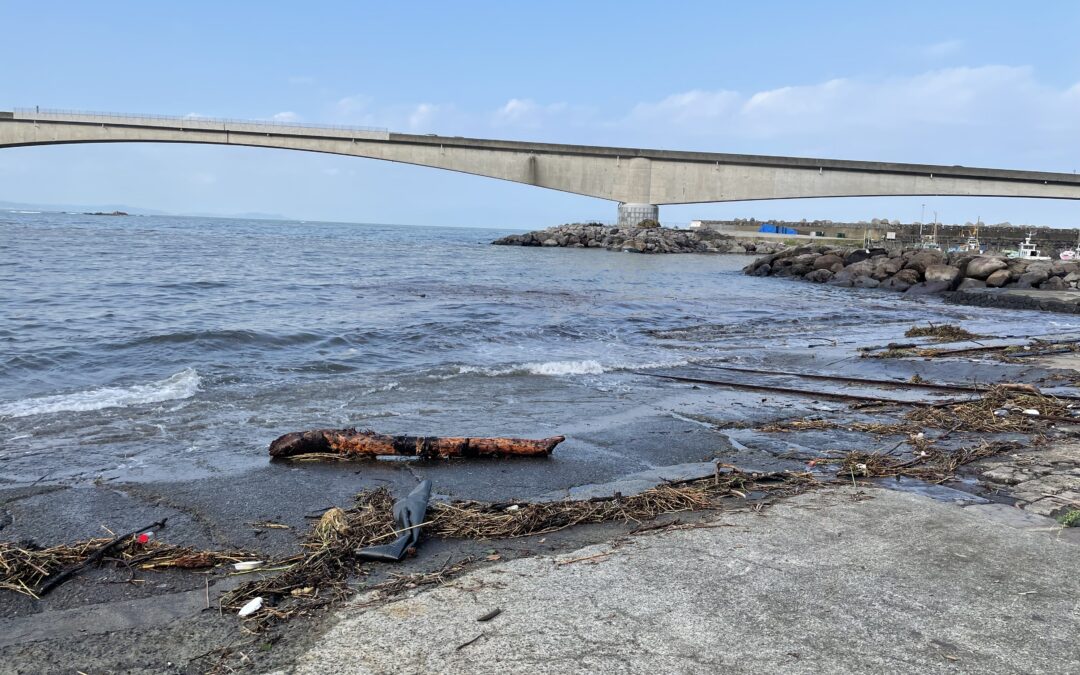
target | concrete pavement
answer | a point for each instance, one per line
(838, 580)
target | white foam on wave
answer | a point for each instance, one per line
(557, 368)
(178, 386)
(560, 368)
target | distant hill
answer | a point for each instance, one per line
(133, 210)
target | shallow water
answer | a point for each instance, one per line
(150, 348)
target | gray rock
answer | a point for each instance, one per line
(885, 267)
(895, 283)
(946, 274)
(858, 255)
(969, 284)
(865, 282)
(920, 260)
(826, 261)
(998, 279)
(908, 276)
(550, 242)
(819, 276)
(1054, 284)
(927, 288)
(982, 267)
(762, 270)
(1033, 278)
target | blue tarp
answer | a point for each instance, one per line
(777, 229)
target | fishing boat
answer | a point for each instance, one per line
(972, 244)
(1027, 251)
(1074, 253)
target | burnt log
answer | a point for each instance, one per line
(367, 443)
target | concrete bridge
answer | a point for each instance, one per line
(640, 180)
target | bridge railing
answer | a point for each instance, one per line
(198, 122)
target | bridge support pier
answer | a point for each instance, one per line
(630, 214)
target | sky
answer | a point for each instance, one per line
(987, 83)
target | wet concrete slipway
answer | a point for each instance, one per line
(104, 622)
(627, 429)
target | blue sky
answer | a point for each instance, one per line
(972, 83)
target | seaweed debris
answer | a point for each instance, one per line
(928, 464)
(945, 332)
(1000, 409)
(320, 575)
(24, 567)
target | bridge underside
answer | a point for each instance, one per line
(639, 180)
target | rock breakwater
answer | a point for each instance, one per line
(915, 271)
(640, 239)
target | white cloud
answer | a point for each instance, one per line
(688, 106)
(527, 113)
(968, 113)
(286, 116)
(423, 117)
(353, 105)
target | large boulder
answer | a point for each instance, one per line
(1054, 284)
(998, 279)
(920, 260)
(927, 288)
(971, 284)
(863, 268)
(946, 274)
(792, 270)
(908, 276)
(867, 282)
(826, 261)
(761, 270)
(858, 255)
(1032, 278)
(895, 283)
(819, 276)
(1017, 268)
(885, 267)
(982, 267)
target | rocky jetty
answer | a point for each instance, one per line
(646, 237)
(915, 271)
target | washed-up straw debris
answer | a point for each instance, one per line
(817, 424)
(928, 464)
(319, 576)
(25, 567)
(1000, 409)
(945, 332)
(806, 424)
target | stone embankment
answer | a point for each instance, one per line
(915, 271)
(640, 239)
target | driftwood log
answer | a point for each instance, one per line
(366, 443)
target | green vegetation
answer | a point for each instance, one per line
(1070, 519)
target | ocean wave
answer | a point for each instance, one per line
(180, 385)
(220, 339)
(560, 368)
